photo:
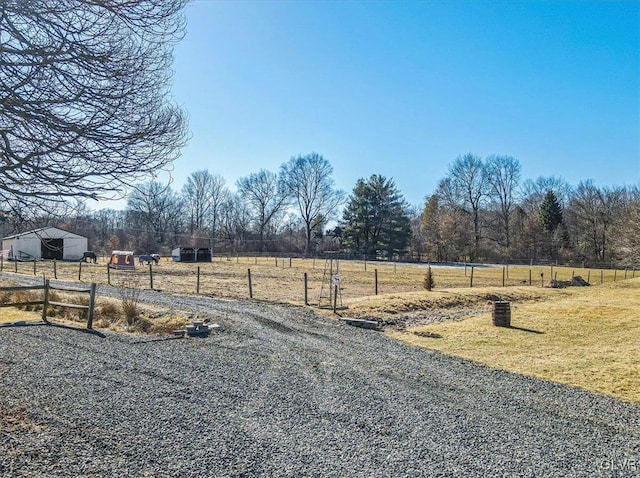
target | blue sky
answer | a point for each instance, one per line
(402, 88)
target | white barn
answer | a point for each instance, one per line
(44, 243)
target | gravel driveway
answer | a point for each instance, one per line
(279, 391)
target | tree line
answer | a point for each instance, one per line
(480, 211)
(86, 111)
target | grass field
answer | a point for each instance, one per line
(282, 279)
(586, 337)
(583, 336)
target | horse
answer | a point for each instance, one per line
(148, 258)
(90, 256)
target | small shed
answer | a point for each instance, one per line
(122, 260)
(191, 254)
(45, 243)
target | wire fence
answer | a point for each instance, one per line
(310, 281)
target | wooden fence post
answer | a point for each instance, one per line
(250, 286)
(503, 276)
(34, 267)
(150, 275)
(589, 276)
(80, 271)
(55, 269)
(15, 265)
(471, 279)
(335, 297)
(601, 276)
(614, 274)
(92, 302)
(1, 261)
(365, 263)
(306, 290)
(45, 301)
(108, 274)
(529, 276)
(198, 280)
(542, 279)
(375, 273)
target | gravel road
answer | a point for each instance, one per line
(278, 391)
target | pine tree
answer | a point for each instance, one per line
(375, 218)
(550, 213)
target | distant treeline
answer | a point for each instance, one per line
(480, 211)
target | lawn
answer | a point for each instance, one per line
(587, 337)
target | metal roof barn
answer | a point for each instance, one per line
(44, 243)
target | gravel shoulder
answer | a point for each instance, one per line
(280, 391)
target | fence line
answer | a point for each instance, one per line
(301, 280)
(46, 302)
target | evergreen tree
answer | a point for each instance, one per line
(550, 213)
(376, 218)
(550, 216)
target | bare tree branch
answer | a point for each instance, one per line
(84, 97)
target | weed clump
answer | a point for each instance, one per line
(129, 302)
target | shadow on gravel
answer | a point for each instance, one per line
(24, 323)
(159, 339)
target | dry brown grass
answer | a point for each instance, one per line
(227, 277)
(109, 313)
(587, 337)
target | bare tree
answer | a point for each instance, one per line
(265, 195)
(105, 222)
(235, 220)
(503, 177)
(628, 241)
(84, 97)
(593, 212)
(156, 212)
(533, 192)
(465, 188)
(219, 194)
(197, 193)
(309, 181)
(429, 225)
